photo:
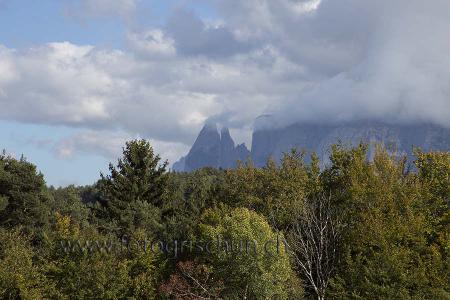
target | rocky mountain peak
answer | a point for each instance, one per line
(212, 149)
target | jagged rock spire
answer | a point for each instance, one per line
(212, 149)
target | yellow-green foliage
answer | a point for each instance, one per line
(19, 276)
(386, 249)
(92, 273)
(394, 241)
(247, 275)
(277, 192)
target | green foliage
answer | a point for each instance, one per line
(23, 196)
(67, 201)
(3, 203)
(133, 191)
(394, 237)
(247, 273)
(82, 270)
(434, 175)
(385, 249)
(188, 196)
(19, 276)
(277, 192)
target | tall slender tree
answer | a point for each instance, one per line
(133, 192)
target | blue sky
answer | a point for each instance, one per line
(35, 143)
(30, 23)
(26, 24)
(78, 78)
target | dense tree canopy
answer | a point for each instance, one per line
(386, 221)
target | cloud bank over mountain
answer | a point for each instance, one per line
(321, 61)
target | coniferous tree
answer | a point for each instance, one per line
(133, 192)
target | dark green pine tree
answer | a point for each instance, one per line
(132, 193)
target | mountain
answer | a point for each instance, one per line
(212, 149)
(270, 140)
(273, 142)
(179, 165)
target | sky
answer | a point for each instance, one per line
(78, 78)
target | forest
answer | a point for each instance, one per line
(352, 228)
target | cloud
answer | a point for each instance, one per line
(192, 36)
(324, 36)
(53, 84)
(152, 43)
(109, 145)
(380, 60)
(80, 86)
(402, 75)
(164, 99)
(321, 61)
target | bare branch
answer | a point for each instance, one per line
(314, 240)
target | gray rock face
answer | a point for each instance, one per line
(318, 138)
(242, 152)
(206, 150)
(227, 157)
(180, 165)
(212, 149)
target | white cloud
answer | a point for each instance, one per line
(402, 76)
(7, 70)
(106, 144)
(304, 60)
(55, 84)
(152, 43)
(308, 6)
(165, 99)
(109, 145)
(361, 59)
(65, 84)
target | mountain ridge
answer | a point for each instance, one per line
(272, 141)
